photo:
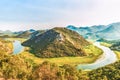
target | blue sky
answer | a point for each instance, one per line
(42, 14)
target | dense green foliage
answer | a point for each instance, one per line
(110, 72)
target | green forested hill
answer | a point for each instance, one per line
(58, 42)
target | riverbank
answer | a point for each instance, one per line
(118, 54)
(107, 58)
(61, 60)
(115, 51)
(17, 47)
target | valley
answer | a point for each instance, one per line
(59, 40)
(63, 49)
(88, 62)
(24, 51)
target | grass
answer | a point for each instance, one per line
(93, 50)
(13, 39)
(118, 54)
(106, 44)
(60, 60)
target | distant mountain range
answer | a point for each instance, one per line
(108, 32)
(57, 42)
(6, 33)
(21, 34)
(25, 34)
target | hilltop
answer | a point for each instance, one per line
(58, 42)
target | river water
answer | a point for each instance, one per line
(17, 47)
(108, 57)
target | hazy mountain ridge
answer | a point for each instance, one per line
(109, 32)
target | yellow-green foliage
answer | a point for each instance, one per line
(106, 44)
(14, 67)
(6, 46)
(92, 50)
(60, 60)
(118, 54)
(19, 39)
(17, 67)
(50, 71)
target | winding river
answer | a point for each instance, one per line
(17, 47)
(108, 57)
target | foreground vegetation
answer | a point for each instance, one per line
(17, 68)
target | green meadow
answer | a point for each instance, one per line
(60, 60)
